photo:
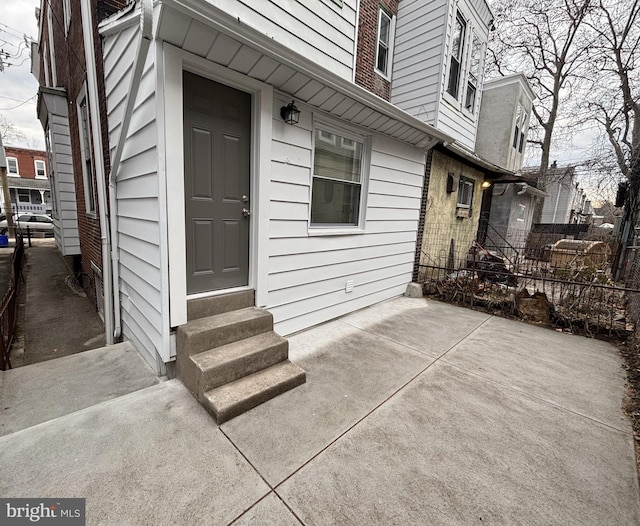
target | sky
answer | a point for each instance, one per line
(18, 87)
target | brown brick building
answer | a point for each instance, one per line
(27, 172)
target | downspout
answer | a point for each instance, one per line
(146, 15)
(96, 131)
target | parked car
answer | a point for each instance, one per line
(35, 223)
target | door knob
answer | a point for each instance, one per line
(245, 199)
(246, 212)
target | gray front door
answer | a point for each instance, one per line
(217, 149)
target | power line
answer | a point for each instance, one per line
(30, 99)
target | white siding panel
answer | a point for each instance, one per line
(137, 189)
(324, 33)
(308, 273)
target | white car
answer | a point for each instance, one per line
(35, 222)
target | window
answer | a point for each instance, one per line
(41, 171)
(519, 131)
(465, 192)
(12, 167)
(24, 195)
(520, 212)
(457, 52)
(336, 192)
(85, 151)
(385, 42)
(474, 75)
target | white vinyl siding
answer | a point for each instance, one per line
(65, 214)
(417, 57)
(138, 210)
(308, 274)
(422, 64)
(319, 30)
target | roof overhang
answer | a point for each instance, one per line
(288, 71)
(51, 101)
(492, 171)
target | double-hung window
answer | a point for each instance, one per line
(519, 130)
(86, 153)
(384, 43)
(474, 75)
(12, 167)
(465, 192)
(41, 171)
(457, 54)
(338, 174)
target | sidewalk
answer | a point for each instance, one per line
(414, 412)
(54, 319)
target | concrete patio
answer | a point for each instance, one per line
(414, 412)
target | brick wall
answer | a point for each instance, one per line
(366, 75)
(26, 158)
(71, 74)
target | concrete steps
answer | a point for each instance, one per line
(230, 358)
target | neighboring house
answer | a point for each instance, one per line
(209, 189)
(502, 137)
(437, 76)
(566, 202)
(28, 181)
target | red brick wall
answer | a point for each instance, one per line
(26, 158)
(366, 75)
(71, 75)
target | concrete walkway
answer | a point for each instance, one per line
(414, 412)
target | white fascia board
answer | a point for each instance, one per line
(233, 27)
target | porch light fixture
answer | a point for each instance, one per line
(290, 114)
(486, 184)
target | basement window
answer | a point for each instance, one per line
(466, 187)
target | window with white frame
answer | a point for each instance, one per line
(12, 167)
(384, 47)
(338, 174)
(520, 212)
(41, 169)
(520, 127)
(474, 74)
(466, 187)
(86, 152)
(457, 55)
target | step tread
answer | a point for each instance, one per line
(224, 319)
(221, 356)
(234, 398)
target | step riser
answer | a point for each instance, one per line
(225, 414)
(204, 307)
(198, 380)
(190, 343)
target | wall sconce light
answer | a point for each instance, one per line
(486, 184)
(290, 114)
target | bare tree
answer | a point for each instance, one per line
(545, 40)
(615, 96)
(9, 132)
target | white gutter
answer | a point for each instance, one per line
(96, 131)
(146, 15)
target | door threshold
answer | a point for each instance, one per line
(221, 292)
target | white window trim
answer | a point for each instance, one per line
(392, 35)
(35, 165)
(471, 182)
(17, 172)
(82, 97)
(365, 164)
(170, 149)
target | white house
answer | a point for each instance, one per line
(320, 217)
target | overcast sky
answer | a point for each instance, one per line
(17, 84)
